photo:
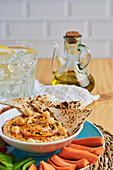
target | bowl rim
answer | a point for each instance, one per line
(44, 143)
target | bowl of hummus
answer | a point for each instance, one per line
(39, 133)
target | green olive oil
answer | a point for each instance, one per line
(69, 78)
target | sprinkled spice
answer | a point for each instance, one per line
(33, 121)
(57, 134)
(52, 127)
(37, 133)
(63, 107)
(57, 123)
(65, 104)
(23, 135)
(58, 106)
(40, 116)
(35, 109)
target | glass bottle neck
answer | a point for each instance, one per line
(70, 46)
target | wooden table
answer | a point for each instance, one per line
(102, 71)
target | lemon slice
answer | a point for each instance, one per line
(5, 51)
(29, 51)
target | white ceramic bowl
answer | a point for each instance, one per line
(33, 148)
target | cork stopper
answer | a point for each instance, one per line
(72, 34)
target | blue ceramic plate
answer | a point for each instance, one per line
(89, 130)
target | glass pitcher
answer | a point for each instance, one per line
(71, 69)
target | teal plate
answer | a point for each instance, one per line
(89, 130)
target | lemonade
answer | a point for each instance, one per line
(17, 69)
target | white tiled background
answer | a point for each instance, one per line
(43, 20)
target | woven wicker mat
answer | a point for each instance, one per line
(106, 160)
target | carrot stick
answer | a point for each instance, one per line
(91, 141)
(33, 167)
(46, 166)
(69, 153)
(41, 166)
(96, 151)
(59, 161)
(60, 168)
(82, 163)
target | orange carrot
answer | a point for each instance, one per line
(69, 153)
(62, 162)
(96, 151)
(41, 166)
(82, 163)
(59, 161)
(33, 167)
(60, 168)
(46, 166)
(91, 141)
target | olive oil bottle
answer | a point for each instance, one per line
(71, 70)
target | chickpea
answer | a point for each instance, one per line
(15, 129)
(50, 120)
(63, 131)
(20, 121)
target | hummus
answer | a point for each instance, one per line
(36, 128)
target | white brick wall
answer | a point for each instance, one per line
(41, 21)
(25, 29)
